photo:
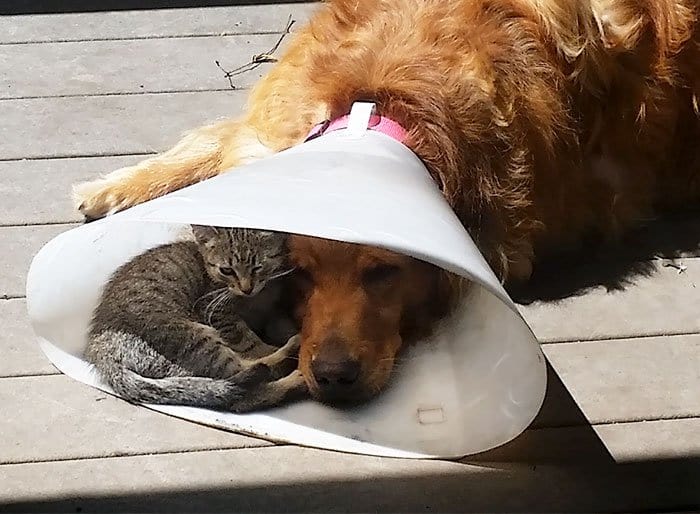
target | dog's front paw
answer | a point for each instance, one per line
(107, 195)
(98, 198)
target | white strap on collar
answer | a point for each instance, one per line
(358, 120)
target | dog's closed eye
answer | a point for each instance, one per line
(303, 278)
(380, 274)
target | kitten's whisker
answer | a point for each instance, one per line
(220, 300)
(211, 306)
(207, 295)
(209, 311)
(397, 360)
(282, 273)
(206, 309)
(203, 297)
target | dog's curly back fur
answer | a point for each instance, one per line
(511, 102)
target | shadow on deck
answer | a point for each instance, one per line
(661, 486)
(70, 6)
(617, 266)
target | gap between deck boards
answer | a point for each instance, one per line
(271, 32)
(124, 93)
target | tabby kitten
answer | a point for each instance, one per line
(176, 324)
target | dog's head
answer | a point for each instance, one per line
(361, 303)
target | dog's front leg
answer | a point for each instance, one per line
(201, 154)
(282, 109)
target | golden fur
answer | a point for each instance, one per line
(542, 121)
(360, 305)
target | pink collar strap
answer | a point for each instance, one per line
(374, 122)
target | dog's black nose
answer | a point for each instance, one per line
(335, 377)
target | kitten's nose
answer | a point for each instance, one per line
(246, 286)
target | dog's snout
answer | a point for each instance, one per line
(335, 371)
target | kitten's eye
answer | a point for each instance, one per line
(225, 270)
(257, 268)
(380, 274)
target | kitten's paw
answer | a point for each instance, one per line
(253, 376)
(293, 344)
(296, 377)
(283, 361)
(273, 394)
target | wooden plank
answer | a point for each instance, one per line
(160, 23)
(652, 440)
(620, 381)
(107, 125)
(631, 379)
(86, 423)
(662, 302)
(599, 444)
(20, 352)
(129, 66)
(19, 245)
(39, 191)
(289, 479)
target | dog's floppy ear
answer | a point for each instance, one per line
(204, 233)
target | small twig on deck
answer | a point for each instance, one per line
(680, 267)
(257, 59)
(671, 263)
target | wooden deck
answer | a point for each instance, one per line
(82, 94)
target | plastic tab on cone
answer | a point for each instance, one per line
(478, 382)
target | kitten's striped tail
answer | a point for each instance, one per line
(188, 391)
(120, 358)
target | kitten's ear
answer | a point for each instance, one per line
(203, 233)
(272, 233)
(276, 238)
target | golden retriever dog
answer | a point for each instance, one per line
(541, 121)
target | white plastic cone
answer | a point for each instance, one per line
(477, 384)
